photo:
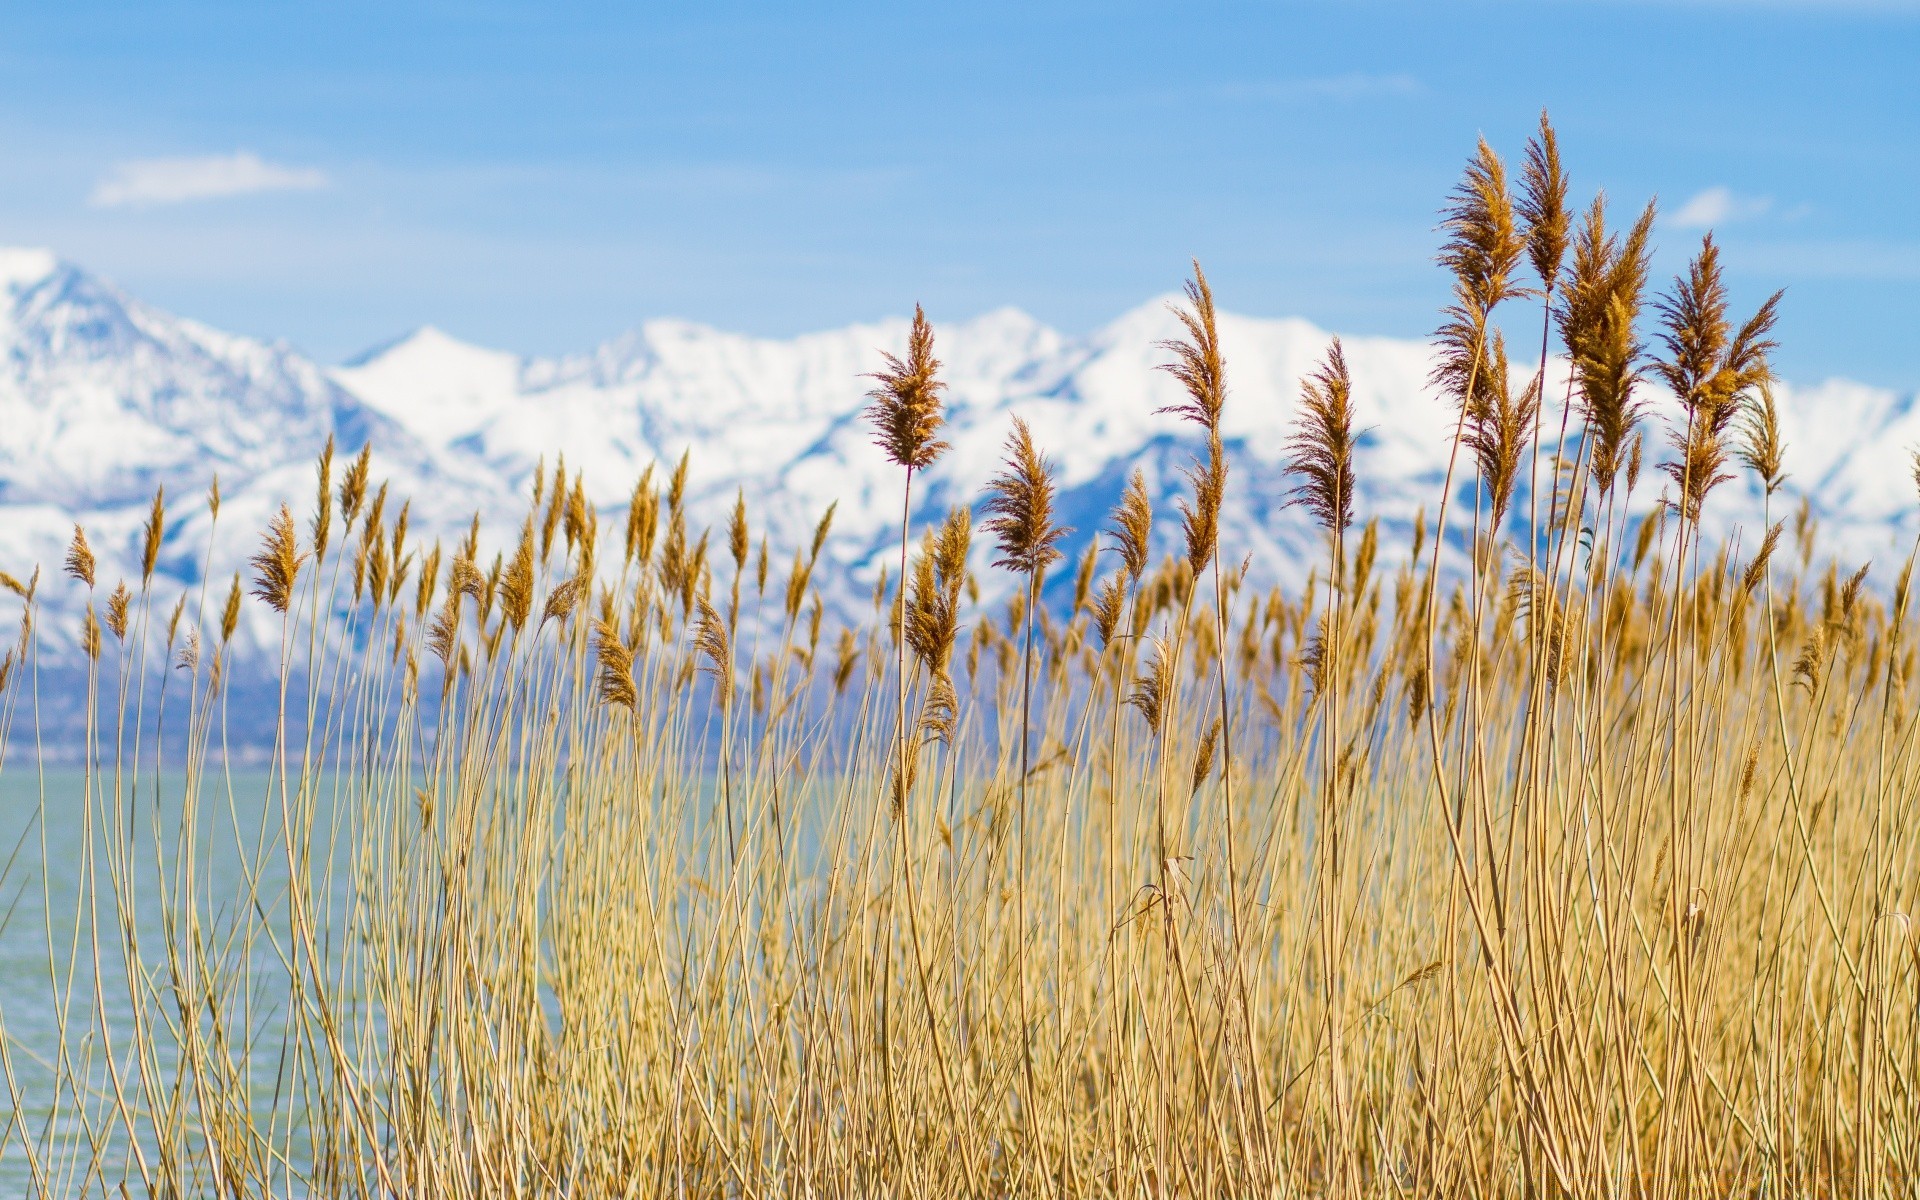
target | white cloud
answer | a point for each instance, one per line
(151, 181)
(1718, 206)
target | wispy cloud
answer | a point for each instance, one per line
(1353, 86)
(150, 181)
(1717, 206)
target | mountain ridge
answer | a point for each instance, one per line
(103, 398)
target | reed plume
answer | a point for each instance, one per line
(1597, 318)
(1710, 367)
(152, 535)
(1197, 362)
(1020, 508)
(1322, 447)
(1760, 447)
(80, 557)
(906, 412)
(1542, 206)
(1020, 518)
(276, 565)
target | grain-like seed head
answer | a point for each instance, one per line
(353, 485)
(1760, 447)
(322, 528)
(643, 518)
(429, 580)
(1203, 757)
(578, 514)
(820, 532)
(230, 615)
(738, 540)
(155, 531)
(90, 635)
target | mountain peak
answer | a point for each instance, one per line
(22, 267)
(434, 384)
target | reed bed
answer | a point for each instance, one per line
(1564, 855)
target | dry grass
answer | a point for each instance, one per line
(1577, 867)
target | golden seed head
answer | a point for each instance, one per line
(906, 412)
(1020, 507)
(80, 557)
(277, 563)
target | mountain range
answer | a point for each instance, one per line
(103, 399)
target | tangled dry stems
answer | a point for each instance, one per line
(1576, 868)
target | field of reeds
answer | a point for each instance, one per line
(1562, 853)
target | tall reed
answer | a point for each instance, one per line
(1560, 852)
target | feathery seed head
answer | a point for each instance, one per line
(277, 563)
(1200, 519)
(906, 410)
(1107, 605)
(1197, 362)
(1203, 757)
(710, 639)
(616, 685)
(1543, 204)
(1020, 507)
(117, 605)
(561, 600)
(1322, 447)
(1760, 447)
(1150, 690)
(1133, 526)
(80, 557)
(1484, 242)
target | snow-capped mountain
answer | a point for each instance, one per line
(103, 399)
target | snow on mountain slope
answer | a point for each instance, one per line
(103, 398)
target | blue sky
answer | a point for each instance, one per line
(538, 177)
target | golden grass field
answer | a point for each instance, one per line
(1566, 855)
